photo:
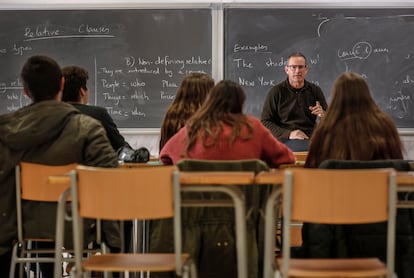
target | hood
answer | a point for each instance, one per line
(34, 124)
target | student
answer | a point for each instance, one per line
(354, 128)
(353, 114)
(220, 130)
(50, 132)
(76, 93)
(292, 107)
(190, 96)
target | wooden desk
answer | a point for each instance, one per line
(224, 182)
(273, 177)
(300, 157)
(136, 164)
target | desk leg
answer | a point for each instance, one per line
(269, 240)
(136, 236)
(241, 238)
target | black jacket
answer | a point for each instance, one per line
(101, 114)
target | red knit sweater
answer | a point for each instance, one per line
(262, 145)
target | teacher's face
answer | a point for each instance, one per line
(296, 70)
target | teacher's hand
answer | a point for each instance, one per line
(317, 110)
(298, 134)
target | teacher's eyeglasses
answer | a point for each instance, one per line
(296, 67)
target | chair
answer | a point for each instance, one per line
(334, 197)
(248, 205)
(128, 194)
(32, 184)
(358, 235)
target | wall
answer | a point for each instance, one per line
(149, 137)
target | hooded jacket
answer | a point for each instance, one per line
(47, 132)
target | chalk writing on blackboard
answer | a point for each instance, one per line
(136, 58)
(376, 43)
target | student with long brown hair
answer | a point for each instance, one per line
(220, 130)
(190, 96)
(354, 128)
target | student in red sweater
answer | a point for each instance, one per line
(220, 130)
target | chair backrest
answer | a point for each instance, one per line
(397, 164)
(33, 181)
(125, 194)
(324, 196)
(339, 197)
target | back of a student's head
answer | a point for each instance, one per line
(75, 79)
(41, 77)
(351, 95)
(227, 97)
(194, 88)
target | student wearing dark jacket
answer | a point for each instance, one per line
(354, 128)
(76, 93)
(50, 132)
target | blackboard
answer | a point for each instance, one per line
(136, 58)
(376, 43)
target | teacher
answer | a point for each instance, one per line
(292, 107)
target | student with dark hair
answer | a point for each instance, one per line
(76, 93)
(49, 132)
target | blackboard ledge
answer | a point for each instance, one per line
(139, 131)
(406, 131)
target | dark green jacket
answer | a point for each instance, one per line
(47, 132)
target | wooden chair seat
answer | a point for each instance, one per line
(360, 267)
(153, 262)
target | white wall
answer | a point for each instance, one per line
(149, 137)
(380, 3)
